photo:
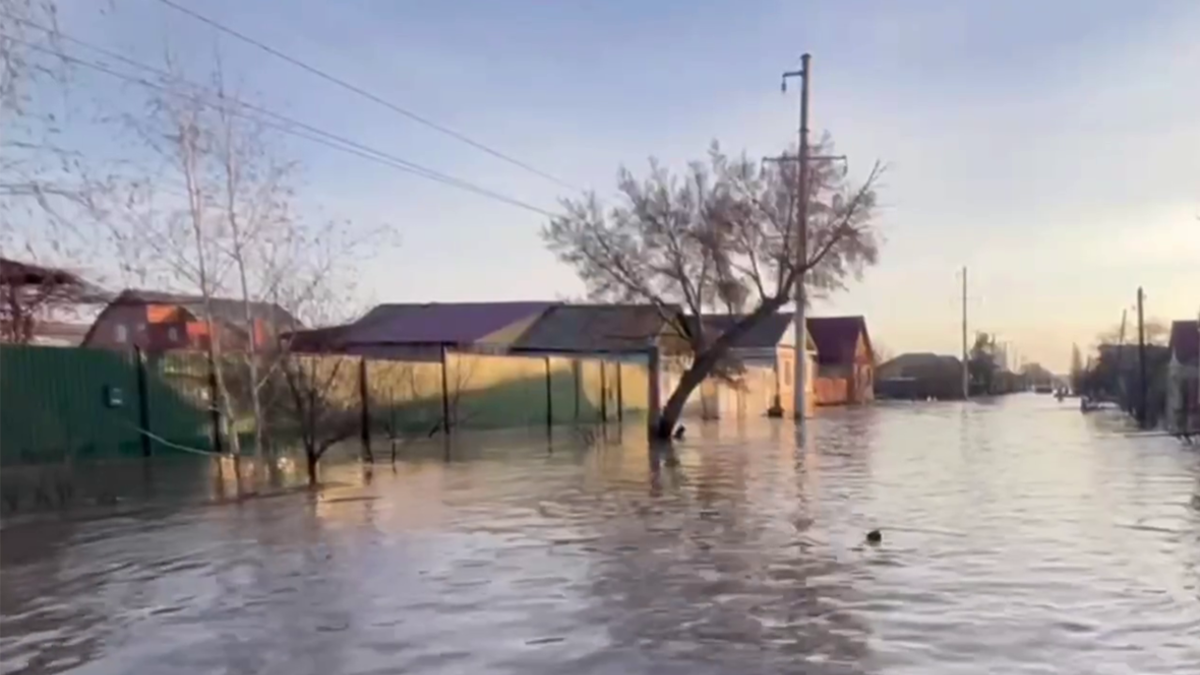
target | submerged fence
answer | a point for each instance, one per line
(61, 405)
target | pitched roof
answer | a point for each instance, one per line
(439, 323)
(17, 272)
(316, 339)
(1185, 341)
(228, 310)
(766, 334)
(837, 336)
(593, 328)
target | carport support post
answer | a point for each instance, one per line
(603, 392)
(620, 396)
(549, 398)
(577, 375)
(445, 396)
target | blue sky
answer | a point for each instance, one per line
(1053, 147)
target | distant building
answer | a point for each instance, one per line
(919, 376)
(765, 359)
(845, 360)
(156, 321)
(60, 333)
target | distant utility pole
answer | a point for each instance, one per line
(966, 377)
(1142, 416)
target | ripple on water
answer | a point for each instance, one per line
(1014, 541)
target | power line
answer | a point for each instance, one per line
(368, 95)
(315, 135)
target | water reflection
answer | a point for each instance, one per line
(1019, 537)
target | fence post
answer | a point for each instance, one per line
(620, 396)
(139, 360)
(577, 375)
(214, 395)
(365, 410)
(603, 391)
(445, 396)
(549, 398)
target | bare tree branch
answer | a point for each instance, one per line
(717, 239)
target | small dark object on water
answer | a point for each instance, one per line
(874, 537)
(679, 432)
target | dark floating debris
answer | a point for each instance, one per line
(678, 435)
(874, 537)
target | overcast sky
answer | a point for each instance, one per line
(1051, 146)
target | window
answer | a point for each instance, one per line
(173, 334)
(121, 333)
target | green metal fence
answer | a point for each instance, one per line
(64, 405)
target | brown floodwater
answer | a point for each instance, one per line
(1019, 536)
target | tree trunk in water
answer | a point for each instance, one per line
(704, 363)
(691, 379)
(312, 460)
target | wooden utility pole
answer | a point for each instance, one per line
(966, 373)
(800, 366)
(800, 293)
(1142, 414)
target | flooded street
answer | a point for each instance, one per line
(1018, 537)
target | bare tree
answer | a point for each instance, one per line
(881, 353)
(255, 207)
(323, 404)
(236, 234)
(1157, 331)
(723, 235)
(43, 185)
(28, 130)
(31, 293)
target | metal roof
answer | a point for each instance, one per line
(593, 328)
(438, 323)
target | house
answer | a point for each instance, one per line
(764, 358)
(1183, 378)
(845, 360)
(60, 333)
(920, 376)
(420, 332)
(43, 305)
(615, 332)
(156, 321)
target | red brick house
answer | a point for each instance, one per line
(157, 322)
(845, 360)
